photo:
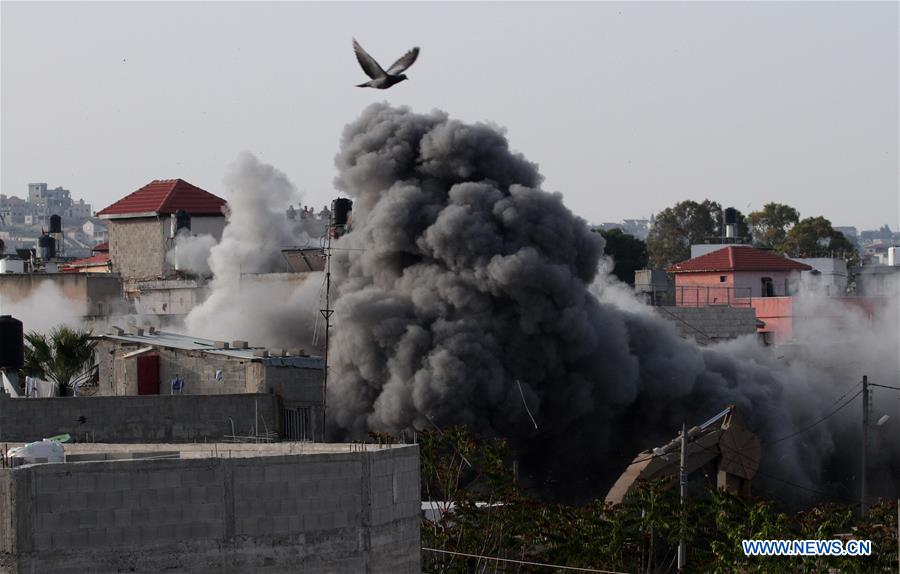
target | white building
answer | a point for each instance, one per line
(96, 230)
(828, 276)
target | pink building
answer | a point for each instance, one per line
(742, 276)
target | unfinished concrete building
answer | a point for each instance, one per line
(314, 508)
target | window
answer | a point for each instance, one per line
(723, 278)
(768, 287)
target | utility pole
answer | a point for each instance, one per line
(327, 312)
(865, 443)
(682, 480)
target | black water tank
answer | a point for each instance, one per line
(46, 247)
(55, 224)
(730, 215)
(182, 220)
(12, 345)
(340, 208)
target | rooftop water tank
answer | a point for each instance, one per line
(730, 215)
(46, 247)
(12, 343)
(55, 224)
(340, 209)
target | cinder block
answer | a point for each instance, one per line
(140, 516)
(60, 539)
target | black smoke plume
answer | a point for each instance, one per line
(462, 279)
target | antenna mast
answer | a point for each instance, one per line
(327, 312)
(338, 223)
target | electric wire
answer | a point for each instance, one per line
(525, 562)
(884, 386)
(821, 420)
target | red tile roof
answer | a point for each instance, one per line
(738, 258)
(101, 247)
(101, 259)
(165, 197)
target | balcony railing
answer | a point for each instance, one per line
(712, 296)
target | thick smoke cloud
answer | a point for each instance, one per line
(462, 278)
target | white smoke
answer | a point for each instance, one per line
(44, 309)
(191, 253)
(271, 309)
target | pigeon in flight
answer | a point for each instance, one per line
(382, 79)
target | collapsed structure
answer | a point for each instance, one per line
(723, 443)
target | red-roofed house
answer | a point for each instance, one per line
(740, 275)
(96, 263)
(142, 225)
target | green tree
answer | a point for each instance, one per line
(687, 223)
(815, 237)
(66, 357)
(627, 251)
(488, 514)
(771, 224)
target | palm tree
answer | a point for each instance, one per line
(66, 357)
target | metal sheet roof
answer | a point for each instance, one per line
(187, 343)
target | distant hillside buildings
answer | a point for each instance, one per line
(21, 220)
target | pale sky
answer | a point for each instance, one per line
(627, 108)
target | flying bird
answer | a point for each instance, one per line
(382, 79)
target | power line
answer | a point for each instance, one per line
(884, 386)
(557, 566)
(723, 446)
(806, 428)
(784, 438)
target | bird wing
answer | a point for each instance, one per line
(367, 62)
(404, 62)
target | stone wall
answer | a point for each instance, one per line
(136, 419)
(710, 324)
(137, 247)
(337, 512)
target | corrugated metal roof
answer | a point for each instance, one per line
(165, 197)
(187, 343)
(738, 258)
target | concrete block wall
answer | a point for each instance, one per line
(198, 370)
(295, 385)
(137, 247)
(709, 324)
(136, 419)
(339, 512)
